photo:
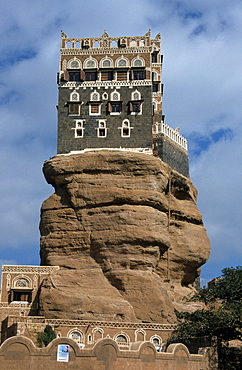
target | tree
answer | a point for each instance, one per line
(45, 337)
(221, 321)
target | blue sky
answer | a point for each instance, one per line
(202, 76)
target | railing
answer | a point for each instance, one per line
(162, 128)
(107, 324)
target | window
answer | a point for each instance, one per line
(76, 336)
(121, 75)
(154, 58)
(74, 76)
(106, 63)
(138, 62)
(74, 64)
(107, 75)
(21, 296)
(102, 129)
(91, 76)
(125, 129)
(115, 108)
(115, 95)
(79, 129)
(94, 109)
(22, 283)
(95, 96)
(121, 338)
(155, 87)
(136, 95)
(138, 75)
(90, 63)
(74, 108)
(136, 107)
(122, 62)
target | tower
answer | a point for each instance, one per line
(110, 97)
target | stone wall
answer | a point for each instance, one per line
(19, 353)
(140, 133)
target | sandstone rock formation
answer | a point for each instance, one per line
(127, 234)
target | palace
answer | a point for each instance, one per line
(110, 97)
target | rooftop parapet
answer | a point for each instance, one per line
(174, 135)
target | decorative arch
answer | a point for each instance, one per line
(76, 335)
(74, 96)
(122, 338)
(115, 95)
(136, 95)
(122, 62)
(157, 341)
(140, 335)
(90, 63)
(138, 62)
(97, 333)
(106, 62)
(22, 281)
(95, 96)
(74, 63)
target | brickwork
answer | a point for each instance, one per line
(172, 155)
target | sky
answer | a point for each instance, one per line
(202, 76)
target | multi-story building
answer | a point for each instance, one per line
(110, 96)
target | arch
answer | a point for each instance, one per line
(136, 95)
(133, 43)
(95, 96)
(122, 338)
(125, 129)
(97, 333)
(122, 62)
(74, 63)
(22, 281)
(138, 62)
(76, 335)
(74, 96)
(105, 96)
(140, 335)
(106, 62)
(156, 340)
(90, 63)
(115, 95)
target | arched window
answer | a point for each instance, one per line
(133, 43)
(157, 341)
(136, 95)
(125, 129)
(74, 96)
(106, 63)
(76, 335)
(102, 129)
(122, 62)
(74, 64)
(95, 96)
(22, 283)
(138, 62)
(115, 95)
(90, 63)
(122, 339)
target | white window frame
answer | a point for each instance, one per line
(100, 127)
(78, 96)
(125, 127)
(99, 108)
(79, 125)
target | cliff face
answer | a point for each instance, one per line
(127, 234)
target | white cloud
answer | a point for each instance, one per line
(202, 75)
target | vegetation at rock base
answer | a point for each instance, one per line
(46, 336)
(221, 321)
